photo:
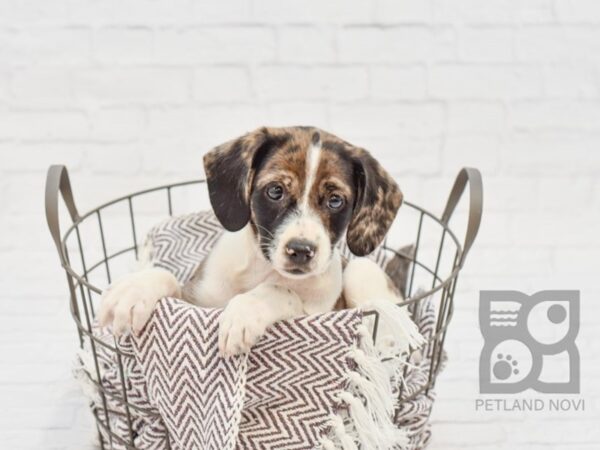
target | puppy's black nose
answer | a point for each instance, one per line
(300, 251)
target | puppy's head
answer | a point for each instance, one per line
(301, 188)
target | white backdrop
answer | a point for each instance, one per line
(130, 94)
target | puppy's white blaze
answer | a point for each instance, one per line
(305, 223)
(312, 165)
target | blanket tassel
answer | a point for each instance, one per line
(345, 440)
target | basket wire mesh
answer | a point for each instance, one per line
(436, 265)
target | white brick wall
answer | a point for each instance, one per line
(130, 93)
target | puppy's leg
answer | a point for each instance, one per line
(364, 281)
(247, 316)
(366, 284)
(128, 303)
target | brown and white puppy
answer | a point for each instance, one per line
(286, 196)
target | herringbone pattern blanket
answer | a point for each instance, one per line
(311, 382)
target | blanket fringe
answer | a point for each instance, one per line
(346, 441)
(368, 399)
(83, 366)
(326, 444)
(397, 332)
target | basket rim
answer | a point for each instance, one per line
(457, 266)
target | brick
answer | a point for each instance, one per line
(213, 45)
(36, 157)
(512, 262)
(560, 115)
(419, 120)
(458, 81)
(4, 87)
(550, 154)
(534, 11)
(41, 87)
(311, 11)
(114, 159)
(24, 419)
(596, 193)
(18, 395)
(578, 11)
(547, 229)
(306, 44)
(117, 124)
(511, 193)
(476, 116)
(558, 44)
(123, 45)
(232, 11)
(169, 122)
(494, 229)
(186, 164)
(398, 83)
(223, 122)
(222, 84)
(28, 12)
(38, 125)
(448, 408)
(20, 283)
(479, 151)
(542, 43)
(298, 112)
(51, 46)
(471, 433)
(22, 194)
(559, 432)
(308, 83)
(403, 11)
(43, 306)
(404, 156)
(39, 373)
(140, 85)
(584, 44)
(575, 260)
(493, 12)
(565, 193)
(473, 11)
(570, 82)
(396, 44)
(134, 12)
(486, 44)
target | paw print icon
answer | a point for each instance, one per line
(529, 342)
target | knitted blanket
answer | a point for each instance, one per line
(312, 382)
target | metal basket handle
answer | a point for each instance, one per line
(473, 177)
(57, 181)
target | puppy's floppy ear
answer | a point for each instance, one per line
(229, 171)
(378, 198)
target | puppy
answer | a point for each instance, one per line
(286, 196)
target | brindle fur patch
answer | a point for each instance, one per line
(334, 176)
(377, 205)
(285, 164)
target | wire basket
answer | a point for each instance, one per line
(104, 243)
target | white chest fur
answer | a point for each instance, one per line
(236, 265)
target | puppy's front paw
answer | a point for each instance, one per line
(242, 324)
(129, 303)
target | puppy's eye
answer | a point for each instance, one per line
(275, 192)
(335, 201)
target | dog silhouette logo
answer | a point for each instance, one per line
(529, 342)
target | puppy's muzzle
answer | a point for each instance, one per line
(300, 251)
